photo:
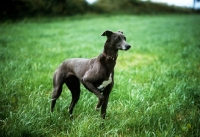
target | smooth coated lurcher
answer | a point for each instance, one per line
(95, 74)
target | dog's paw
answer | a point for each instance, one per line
(71, 116)
(97, 109)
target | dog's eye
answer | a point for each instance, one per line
(125, 38)
(117, 38)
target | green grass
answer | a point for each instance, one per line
(157, 82)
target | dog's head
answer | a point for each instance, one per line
(116, 40)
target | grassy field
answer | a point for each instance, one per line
(157, 82)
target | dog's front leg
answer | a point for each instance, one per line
(98, 105)
(106, 94)
(103, 107)
(103, 104)
(93, 89)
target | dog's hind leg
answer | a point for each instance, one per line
(74, 86)
(58, 81)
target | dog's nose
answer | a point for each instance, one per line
(128, 47)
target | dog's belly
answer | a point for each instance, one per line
(105, 83)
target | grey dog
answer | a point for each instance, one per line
(95, 74)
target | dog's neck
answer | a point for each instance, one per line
(109, 59)
(110, 55)
(112, 58)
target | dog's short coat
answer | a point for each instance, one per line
(95, 74)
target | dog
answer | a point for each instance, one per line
(96, 74)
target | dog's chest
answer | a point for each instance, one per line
(105, 83)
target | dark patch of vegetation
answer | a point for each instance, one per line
(137, 7)
(17, 9)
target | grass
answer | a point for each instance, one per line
(156, 92)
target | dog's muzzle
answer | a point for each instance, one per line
(127, 47)
(124, 46)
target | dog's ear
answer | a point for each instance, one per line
(107, 33)
(120, 31)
